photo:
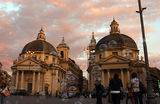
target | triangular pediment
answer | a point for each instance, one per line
(115, 59)
(26, 62)
(29, 64)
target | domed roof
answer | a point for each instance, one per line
(116, 40)
(39, 45)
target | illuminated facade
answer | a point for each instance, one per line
(39, 67)
(114, 53)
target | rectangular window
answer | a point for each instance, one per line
(34, 57)
(53, 59)
(114, 53)
(62, 54)
(100, 56)
(130, 55)
(46, 58)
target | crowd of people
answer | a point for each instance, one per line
(135, 91)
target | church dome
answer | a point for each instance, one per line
(116, 39)
(39, 45)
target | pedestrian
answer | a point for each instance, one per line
(115, 86)
(142, 92)
(135, 82)
(99, 90)
(129, 94)
(2, 91)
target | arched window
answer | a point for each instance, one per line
(62, 54)
(100, 56)
(102, 47)
(112, 44)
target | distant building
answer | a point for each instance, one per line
(114, 53)
(42, 68)
(74, 73)
(5, 78)
(155, 76)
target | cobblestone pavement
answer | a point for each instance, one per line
(44, 100)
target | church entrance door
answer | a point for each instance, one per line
(30, 87)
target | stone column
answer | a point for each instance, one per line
(22, 79)
(103, 82)
(122, 76)
(14, 78)
(38, 81)
(128, 75)
(33, 82)
(54, 82)
(108, 74)
(17, 77)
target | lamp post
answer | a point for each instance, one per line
(150, 98)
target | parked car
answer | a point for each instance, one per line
(20, 92)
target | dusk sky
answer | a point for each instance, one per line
(21, 20)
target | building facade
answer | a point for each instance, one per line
(114, 53)
(39, 68)
(73, 74)
(5, 78)
(155, 76)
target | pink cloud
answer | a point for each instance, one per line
(59, 3)
(73, 19)
(6, 64)
(154, 60)
(2, 47)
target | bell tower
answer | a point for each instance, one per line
(114, 27)
(92, 44)
(63, 50)
(91, 49)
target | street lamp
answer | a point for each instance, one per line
(150, 98)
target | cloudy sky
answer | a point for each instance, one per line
(21, 20)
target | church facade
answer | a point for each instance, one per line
(42, 68)
(114, 53)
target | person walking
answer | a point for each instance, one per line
(115, 86)
(135, 82)
(129, 94)
(2, 90)
(99, 90)
(142, 92)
